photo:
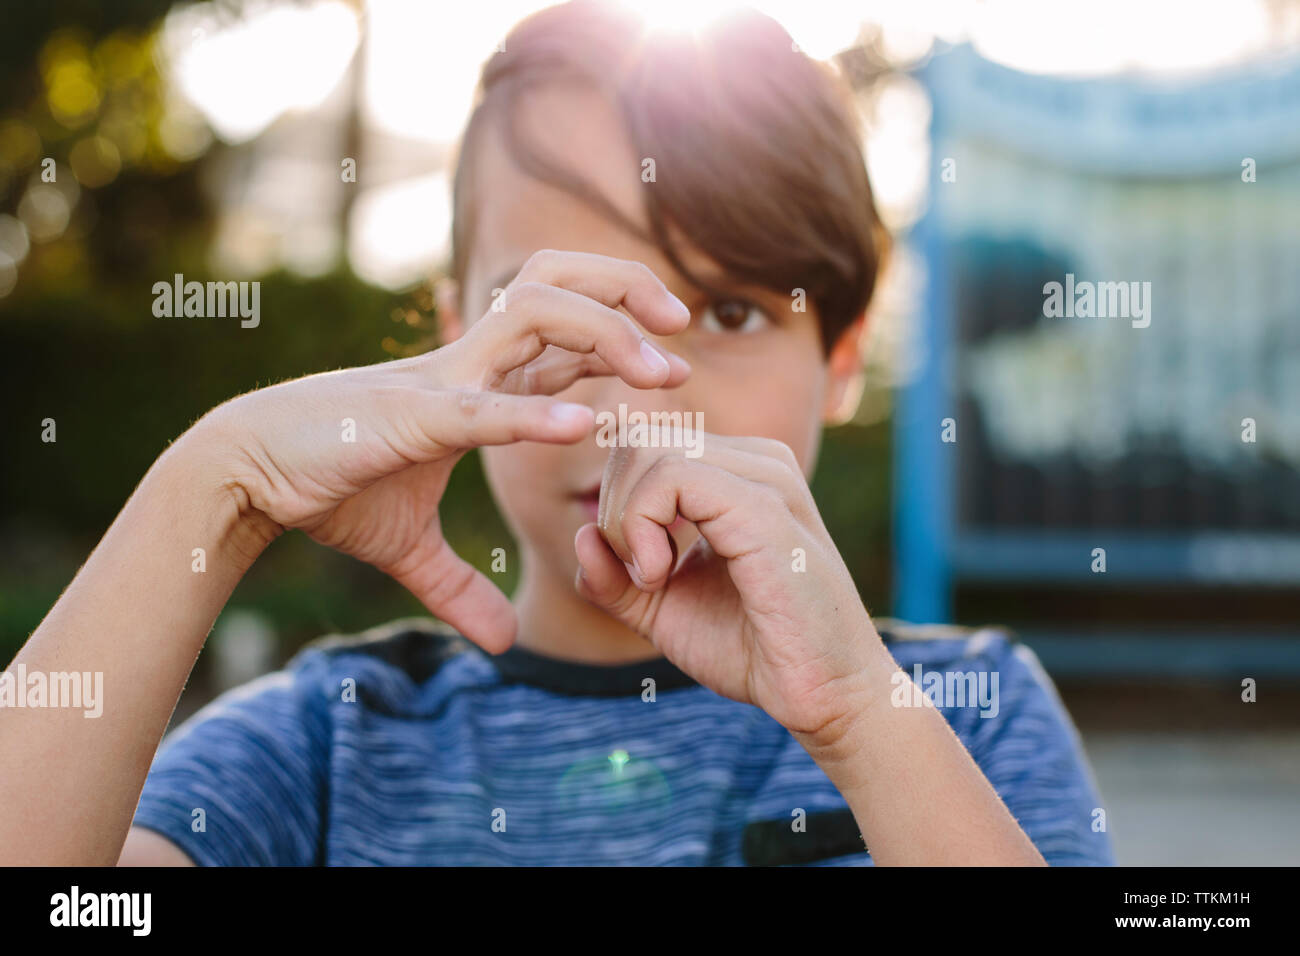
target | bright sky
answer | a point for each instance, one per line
(423, 61)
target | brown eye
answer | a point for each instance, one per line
(732, 315)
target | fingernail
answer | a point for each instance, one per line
(634, 572)
(682, 309)
(566, 413)
(653, 358)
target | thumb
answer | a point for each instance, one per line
(605, 581)
(458, 593)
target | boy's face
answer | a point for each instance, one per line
(757, 365)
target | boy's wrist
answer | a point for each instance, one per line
(838, 747)
(199, 469)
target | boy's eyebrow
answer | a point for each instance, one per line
(720, 285)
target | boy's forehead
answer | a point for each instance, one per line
(517, 214)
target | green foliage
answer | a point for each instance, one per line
(121, 384)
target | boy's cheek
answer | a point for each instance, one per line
(504, 468)
(532, 486)
(787, 407)
(517, 472)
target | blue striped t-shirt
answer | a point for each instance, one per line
(407, 745)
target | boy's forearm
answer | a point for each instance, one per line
(138, 613)
(916, 793)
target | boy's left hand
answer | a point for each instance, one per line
(761, 608)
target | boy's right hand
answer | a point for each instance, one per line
(285, 456)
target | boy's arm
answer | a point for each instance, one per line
(139, 610)
(1021, 738)
(138, 613)
(918, 795)
(145, 848)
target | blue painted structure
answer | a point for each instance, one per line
(1121, 128)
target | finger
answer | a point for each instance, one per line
(603, 580)
(762, 460)
(467, 418)
(536, 315)
(613, 283)
(732, 496)
(456, 592)
(636, 527)
(770, 463)
(769, 448)
(556, 369)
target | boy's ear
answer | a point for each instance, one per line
(845, 376)
(451, 324)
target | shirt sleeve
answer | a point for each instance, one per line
(1032, 754)
(243, 782)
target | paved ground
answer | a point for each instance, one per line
(1190, 774)
(1184, 799)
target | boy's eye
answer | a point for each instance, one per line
(732, 315)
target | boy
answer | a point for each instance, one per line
(686, 674)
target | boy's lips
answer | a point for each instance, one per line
(590, 506)
(589, 501)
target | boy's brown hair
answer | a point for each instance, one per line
(757, 147)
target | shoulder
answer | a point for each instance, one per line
(386, 665)
(943, 648)
(976, 675)
(390, 665)
(416, 646)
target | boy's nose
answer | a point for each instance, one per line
(613, 391)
